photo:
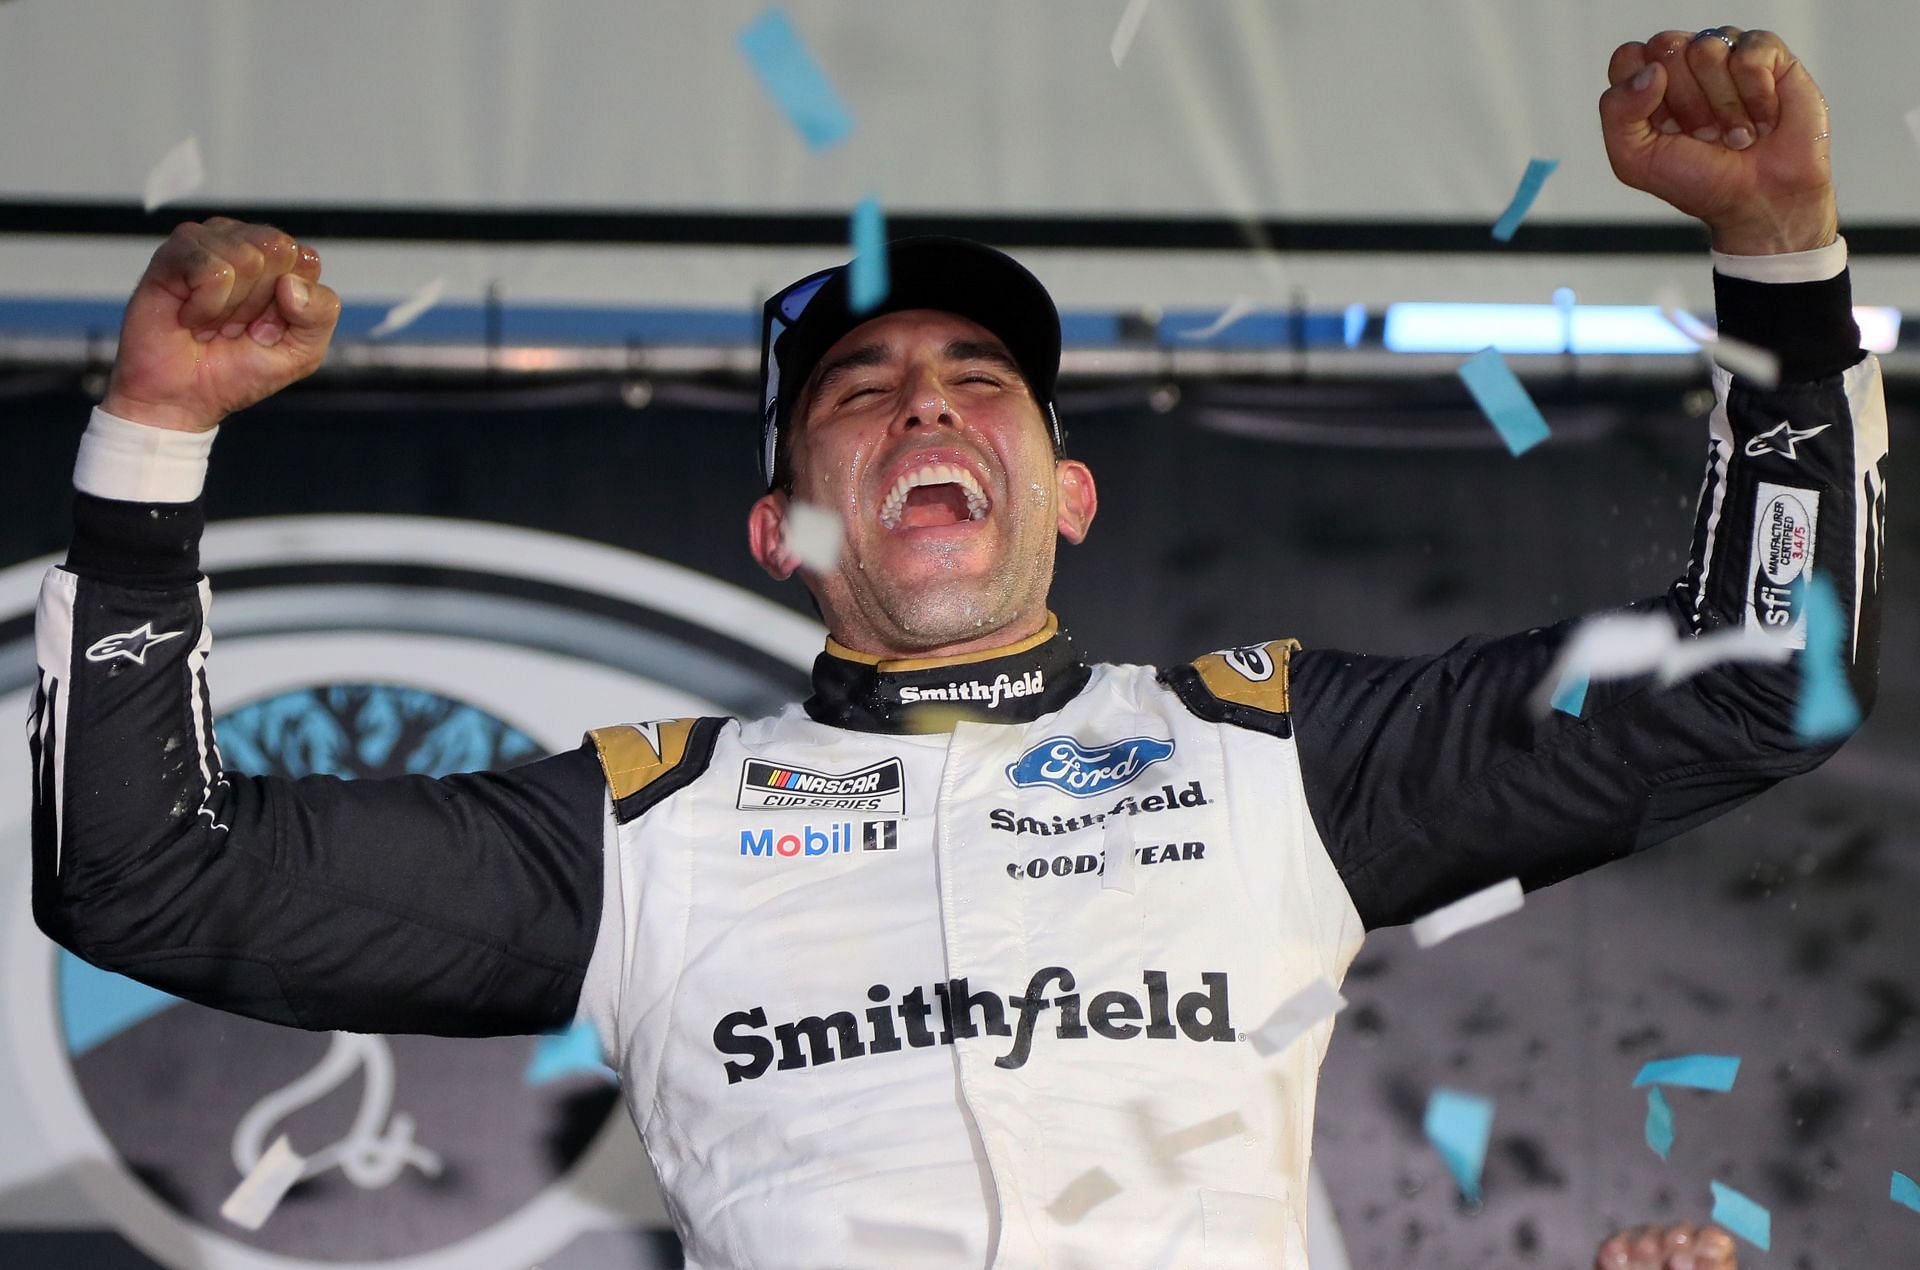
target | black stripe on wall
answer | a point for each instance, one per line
(808, 229)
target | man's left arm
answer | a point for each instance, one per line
(1430, 777)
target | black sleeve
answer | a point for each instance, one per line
(461, 906)
(1430, 777)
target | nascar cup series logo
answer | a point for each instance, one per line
(1784, 523)
(766, 785)
(1072, 768)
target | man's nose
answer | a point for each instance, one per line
(928, 403)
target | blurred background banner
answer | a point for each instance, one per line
(521, 514)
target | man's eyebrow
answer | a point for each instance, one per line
(981, 351)
(844, 365)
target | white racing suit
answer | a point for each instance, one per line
(954, 962)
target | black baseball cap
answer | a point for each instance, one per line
(951, 275)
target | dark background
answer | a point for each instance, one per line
(1382, 518)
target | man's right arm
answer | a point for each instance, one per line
(466, 905)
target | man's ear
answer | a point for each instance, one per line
(1078, 498)
(767, 535)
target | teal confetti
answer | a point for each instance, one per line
(1742, 1216)
(1538, 170)
(1659, 1123)
(1570, 697)
(1695, 1071)
(795, 81)
(560, 1054)
(1458, 1125)
(867, 276)
(1905, 1191)
(1826, 708)
(1504, 401)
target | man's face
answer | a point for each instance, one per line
(918, 431)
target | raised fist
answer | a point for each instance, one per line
(1727, 126)
(226, 314)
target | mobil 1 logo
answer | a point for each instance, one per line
(1784, 524)
(769, 786)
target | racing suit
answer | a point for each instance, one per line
(957, 958)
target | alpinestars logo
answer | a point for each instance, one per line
(881, 787)
(888, 1025)
(131, 645)
(1782, 439)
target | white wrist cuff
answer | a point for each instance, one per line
(1793, 266)
(134, 463)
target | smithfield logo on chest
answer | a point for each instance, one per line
(1072, 768)
(880, 787)
(892, 1024)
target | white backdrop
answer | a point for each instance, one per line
(1223, 107)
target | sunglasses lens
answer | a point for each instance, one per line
(794, 300)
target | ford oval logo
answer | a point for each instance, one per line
(1068, 766)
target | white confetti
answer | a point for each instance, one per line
(1129, 27)
(1228, 1124)
(1623, 645)
(1741, 358)
(1477, 909)
(1688, 657)
(813, 536)
(177, 175)
(261, 1190)
(408, 311)
(1240, 307)
(1117, 845)
(1913, 124)
(899, 1239)
(1299, 1012)
(1082, 1195)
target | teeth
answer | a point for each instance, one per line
(933, 474)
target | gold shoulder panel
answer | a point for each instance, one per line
(634, 755)
(1254, 675)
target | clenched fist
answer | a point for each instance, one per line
(1727, 126)
(226, 314)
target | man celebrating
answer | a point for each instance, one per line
(969, 943)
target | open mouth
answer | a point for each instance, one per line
(932, 496)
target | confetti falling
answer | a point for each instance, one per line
(1353, 325)
(1504, 401)
(408, 311)
(1905, 1191)
(560, 1054)
(1130, 20)
(1240, 308)
(262, 1189)
(867, 281)
(1659, 1123)
(1570, 697)
(1625, 645)
(1477, 909)
(813, 536)
(795, 81)
(898, 1238)
(1740, 358)
(1913, 124)
(1693, 1071)
(177, 175)
(1299, 1012)
(1459, 1125)
(1538, 170)
(1826, 708)
(1082, 1195)
(1742, 1216)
